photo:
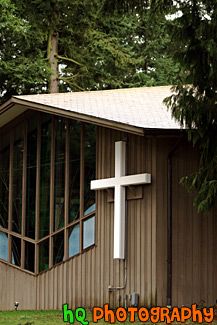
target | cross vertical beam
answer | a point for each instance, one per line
(120, 201)
(119, 183)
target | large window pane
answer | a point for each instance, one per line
(88, 232)
(31, 177)
(59, 187)
(29, 256)
(74, 240)
(4, 179)
(44, 218)
(16, 250)
(74, 169)
(17, 177)
(3, 246)
(58, 248)
(44, 255)
(89, 167)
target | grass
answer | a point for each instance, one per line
(44, 317)
(30, 317)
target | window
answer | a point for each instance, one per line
(59, 172)
(47, 210)
(3, 246)
(29, 256)
(17, 184)
(16, 250)
(45, 175)
(74, 240)
(4, 179)
(44, 255)
(31, 177)
(88, 232)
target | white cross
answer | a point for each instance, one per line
(119, 182)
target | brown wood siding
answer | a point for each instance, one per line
(16, 285)
(194, 239)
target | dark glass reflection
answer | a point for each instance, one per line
(44, 215)
(74, 240)
(17, 177)
(4, 179)
(74, 169)
(44, 255)
(59, 187)
(16, 250)
(3, 246)
(31, 176)
(89, 167)
(58, 248)
(29, 256)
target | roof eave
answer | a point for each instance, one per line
(69, 114)
(163, 132)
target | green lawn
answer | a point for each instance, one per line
(50, 317)
(31, 317)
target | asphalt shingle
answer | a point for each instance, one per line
(140, 107)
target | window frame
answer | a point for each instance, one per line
(23, 118)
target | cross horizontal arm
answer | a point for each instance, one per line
(101, 184)
(137, 179)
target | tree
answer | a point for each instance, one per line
(193, 34)
(23, 68)
(81, 45)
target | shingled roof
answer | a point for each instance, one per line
(139, 108)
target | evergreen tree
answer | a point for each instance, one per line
(23, 68)
(193, 33)
(81, 45)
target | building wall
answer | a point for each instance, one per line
(16, 285)
(194, 239)
(83, 280)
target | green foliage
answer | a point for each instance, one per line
(22, 65)
(97, 48)
(194, 45)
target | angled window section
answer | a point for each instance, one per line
(4, 179)
(45, 175)
(47, 210)
(18, 146)
(59, 170)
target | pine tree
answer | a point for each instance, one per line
(23, 68)
(193, 33)
(81, 45)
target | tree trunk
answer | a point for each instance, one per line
(53, 49)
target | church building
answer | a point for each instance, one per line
(91, 206)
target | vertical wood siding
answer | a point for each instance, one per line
(16, 285)
(194, 240)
